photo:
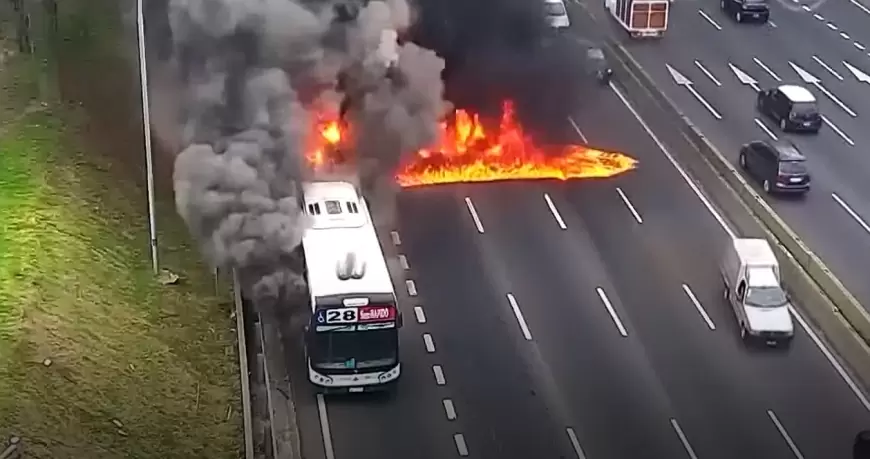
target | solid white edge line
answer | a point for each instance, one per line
(577, 129)
(709, 19)
(838, 131)
(828, 68)
(785, 435)
(519, 315)
(429, 343)
(851, 212)
(766, 129)
(461, 446)
(611, 311)
(438, 372)
(699, 307)
(412, 287)
(628, 204)
(683, 439)
(707, 204)
(419, 314)
(403, 261)
(575, 443)
(555, 211)
(449, 409)
(394, 235)
(474, 215)
(324, 428)
(862, 398)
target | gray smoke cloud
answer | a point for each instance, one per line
(251, 73)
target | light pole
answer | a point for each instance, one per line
(146, 125)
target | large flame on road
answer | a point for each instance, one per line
(466, 152)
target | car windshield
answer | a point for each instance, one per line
(804, 108)
(755, 2)
(792, 167)
(555, 9)
(354, 350)
(766, 297)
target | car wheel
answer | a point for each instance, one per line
(783, 125)
(725, 292)
(742, 332)
(742, 160)
(738, 17)
(766, 186)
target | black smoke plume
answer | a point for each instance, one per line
(250, 75)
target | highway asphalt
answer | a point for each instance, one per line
(516, 386)
(701, 43)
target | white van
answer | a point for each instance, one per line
(753, 288)
(556, 14)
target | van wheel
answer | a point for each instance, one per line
(766, 186)
(725, 293)
(783, 125)
(742, 331)
(742, 160)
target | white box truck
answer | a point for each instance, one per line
(640, 18)
(754, 290)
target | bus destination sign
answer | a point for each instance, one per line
(358, 315)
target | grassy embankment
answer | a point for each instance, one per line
(97, 359)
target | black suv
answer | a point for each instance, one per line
(745, 10)
(780, 167)
(793, 107)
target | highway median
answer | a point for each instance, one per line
(833, 309)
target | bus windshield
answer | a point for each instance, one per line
(355, 350)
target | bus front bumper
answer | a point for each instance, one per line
(363, 382)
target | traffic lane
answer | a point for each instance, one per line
(686, 249)
(495, 391)
(826, 225)
(847, 20)
(597, 382)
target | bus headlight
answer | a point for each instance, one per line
(324, 380)
(389, 375)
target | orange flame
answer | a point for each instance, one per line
(466, 152)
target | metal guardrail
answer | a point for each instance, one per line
(244, 370)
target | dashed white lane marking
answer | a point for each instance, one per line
(577, 129)
(709, 19)
(828, 68)
(575, 443)
(403, 260)
(845, 36)
(859, 46)
(766, 69)
(683, 439)
(699, 307)
(630, 206)
(439, 375)
(555, 212)
(519, 315)
(461, 446)
(772, 24)
(832, 26)
(429, 342)
(412, 287)
(324, 428)
(474, 216)
(862, 398)
(707, 72)
(692, 185)
(611, 311)
(838, 131)
(449, 409)
(764, 128)
(818, 17)
(785, 435)
(851, 212)
(419, 314)
(394, 235)
(805, 8)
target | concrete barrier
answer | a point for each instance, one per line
(842, 320)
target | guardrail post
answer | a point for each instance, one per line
(13, 448)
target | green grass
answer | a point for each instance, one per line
(76, 288)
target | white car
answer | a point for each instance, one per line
(557, 15)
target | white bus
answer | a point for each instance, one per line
(352, 341)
